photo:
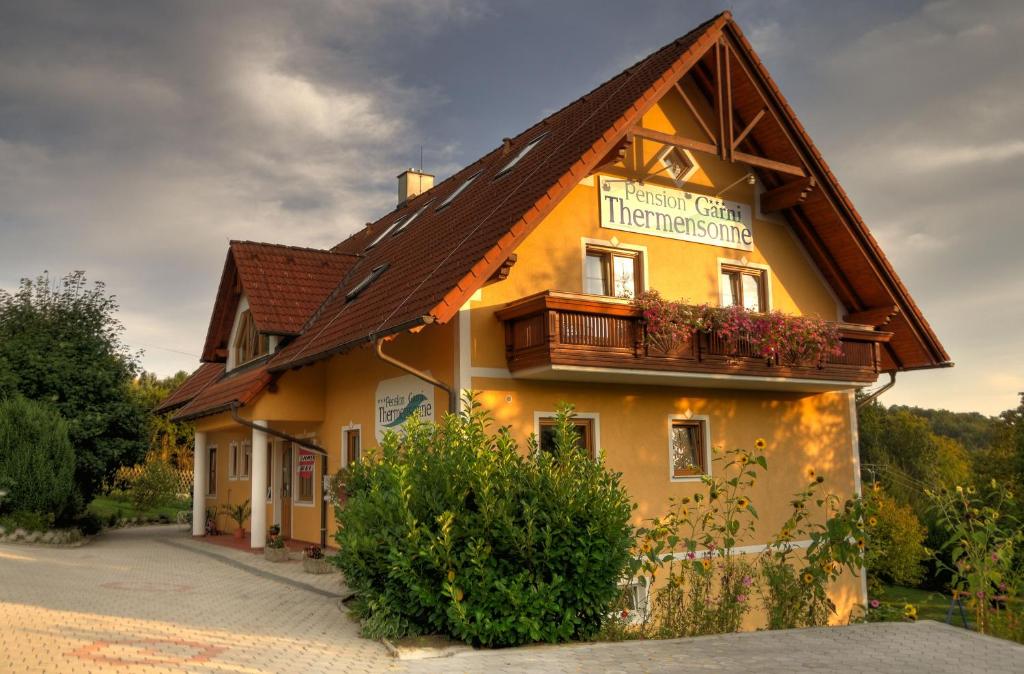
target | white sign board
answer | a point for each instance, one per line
(628, 206)
(398, 399)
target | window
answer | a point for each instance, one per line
(584, 427)
(745, 287)
(405, 222)
(211, 472)
(233, 461)
(677, 163)
(353, 447)
(305, 469)
(387, 230)
(459, 190)
(519, 155)
(612, 272)
(688, 448)
(246, 459)
(249, 343)
(364, 284)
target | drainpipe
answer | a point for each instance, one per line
(453, 399)
(306, 444)
(871, 398)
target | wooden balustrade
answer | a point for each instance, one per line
(553, 329)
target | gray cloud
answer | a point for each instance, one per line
(137, 138)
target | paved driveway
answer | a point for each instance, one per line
(153, 600)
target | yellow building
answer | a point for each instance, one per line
(689, 174)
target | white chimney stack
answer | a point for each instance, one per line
(411, 183)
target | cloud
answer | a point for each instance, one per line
(136, 140)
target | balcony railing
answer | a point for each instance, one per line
(553, 330)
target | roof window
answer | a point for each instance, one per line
(522, 153)
(461, 188)
(387, 230)
(405, 222)
(365, 283)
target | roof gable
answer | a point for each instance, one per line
(283, 285)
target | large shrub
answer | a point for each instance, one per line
(896, 551)
(156, 484)
(37, 462)
(452, 530)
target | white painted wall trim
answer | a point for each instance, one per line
(688, 416)
(593, 416)
(741, 550)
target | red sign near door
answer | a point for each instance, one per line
(306, 461)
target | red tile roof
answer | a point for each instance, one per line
(238, 386)
(446, 254)
(191, 387)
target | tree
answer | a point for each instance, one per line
(37, 463)
(168, 440)
(61, 341)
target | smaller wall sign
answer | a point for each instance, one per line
(306, 462)
(628, 206)
(398, 399)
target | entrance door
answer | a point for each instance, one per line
(286, 489)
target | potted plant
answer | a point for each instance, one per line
(313, 560)
(211, 521)
(275, 551)
(239, 513)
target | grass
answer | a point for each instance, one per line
(930, 605)
(107, 506)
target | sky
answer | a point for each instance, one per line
(137, 139)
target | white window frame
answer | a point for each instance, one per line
(645, 277)
(727, 262)
(296, 451)
(706, 421)
(594, 417)
(211, 485)
(233, 461)
(344, 445)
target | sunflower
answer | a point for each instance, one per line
(742, 502)
(760, 444)
(860, 543)
(811, 474)
(910, 611)
(872, 521)
(706, 563)
(808, 579)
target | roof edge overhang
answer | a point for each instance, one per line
(309, 359)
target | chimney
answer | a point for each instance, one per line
(411, 183)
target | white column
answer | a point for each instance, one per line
(258, 479)
(200, 473)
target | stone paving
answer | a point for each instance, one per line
(154, 600)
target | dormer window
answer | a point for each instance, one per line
(249, 343)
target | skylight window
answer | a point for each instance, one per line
(365, 283)
(388, 230)
(461, 188)
(408, 221)
(519, 155)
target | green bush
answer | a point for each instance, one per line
(89, 523)
(451, 530)
(37, 462)
(156, 484)
(895, 551)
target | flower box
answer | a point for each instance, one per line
(275, 554)
(317, 566)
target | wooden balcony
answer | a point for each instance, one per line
(567, 336)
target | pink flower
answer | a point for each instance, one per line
(691, 555)
(875, 603)
(980, 594)
(995, 557)
(711, 547)
(747, 581)
(741, 598)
